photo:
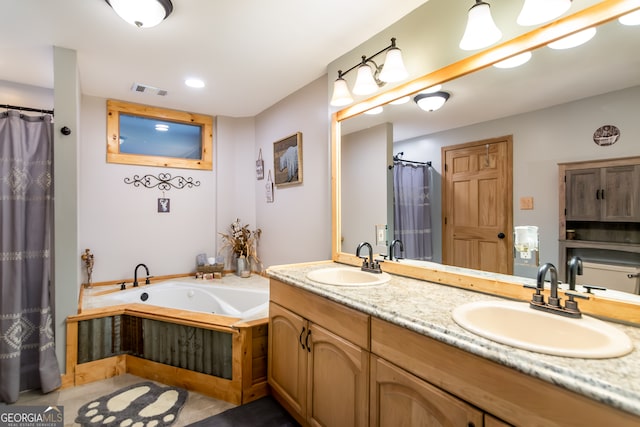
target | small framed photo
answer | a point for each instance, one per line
(260, 166)
(164, 205)
(287, 160)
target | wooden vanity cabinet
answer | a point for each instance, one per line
(332, 365)
(603, 194)
(401, 399)
(321, 377)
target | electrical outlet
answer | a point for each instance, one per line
(381, 234)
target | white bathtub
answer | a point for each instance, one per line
(206, 297)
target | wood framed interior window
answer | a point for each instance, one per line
(151, 136)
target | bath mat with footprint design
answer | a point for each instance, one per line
(143, 404)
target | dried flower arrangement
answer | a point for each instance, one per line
(242, 241)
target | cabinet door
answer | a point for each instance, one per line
(619, 194)
(338, 381)
(399, 399)
(490, 421)
(287, 363)
(583, 194)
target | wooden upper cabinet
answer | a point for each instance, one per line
(619, 195)
(603, 194)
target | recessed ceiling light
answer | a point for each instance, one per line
(192, 82)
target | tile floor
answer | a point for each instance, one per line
(197, 406)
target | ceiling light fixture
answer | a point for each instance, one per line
(142, 13)
(370, 76)
(573, 40)
(538, 11)
(431, 101)
(481, 31)
(514, 61)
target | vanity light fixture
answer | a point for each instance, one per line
(370, 76)
(632, 18)
(514, 61)
(573, 40)
(538, 11)
(431, 101)
(481, 31)
(142, 13)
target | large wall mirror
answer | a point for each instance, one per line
(153, 136)
(481, 93)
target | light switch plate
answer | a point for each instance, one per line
(381, 234)
(526, 203)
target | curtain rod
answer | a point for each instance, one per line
(32, 110)
(396, 158)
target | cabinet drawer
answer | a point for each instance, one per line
(343, 321)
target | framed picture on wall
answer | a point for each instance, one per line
(287, 160)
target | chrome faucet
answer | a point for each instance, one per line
(392, 245)
(570, 308)
(371, 265)
(575, 268)
(135, 275)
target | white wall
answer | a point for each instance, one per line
(541, 140)
(365, 159)
(236, 173)
(25, 95)
(120, 223)
(297, 225)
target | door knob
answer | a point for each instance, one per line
(501, 235)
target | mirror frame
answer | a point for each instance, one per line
(495, 284)
(115, 108)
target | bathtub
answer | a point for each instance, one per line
(226, 300)
(206, 336)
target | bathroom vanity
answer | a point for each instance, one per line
(391, 354)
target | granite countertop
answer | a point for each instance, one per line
(426, 307)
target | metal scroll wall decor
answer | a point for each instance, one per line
(164, 182)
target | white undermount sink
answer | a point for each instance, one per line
(347, 276)
(518, 325)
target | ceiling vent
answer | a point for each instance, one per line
(138, 87)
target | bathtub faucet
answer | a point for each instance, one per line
(135, 275)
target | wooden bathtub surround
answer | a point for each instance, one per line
(361, 370)
(249, 354)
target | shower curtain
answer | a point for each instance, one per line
(27, 351)
(412, 210)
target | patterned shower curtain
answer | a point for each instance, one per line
(412, 209)
(27, 351)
